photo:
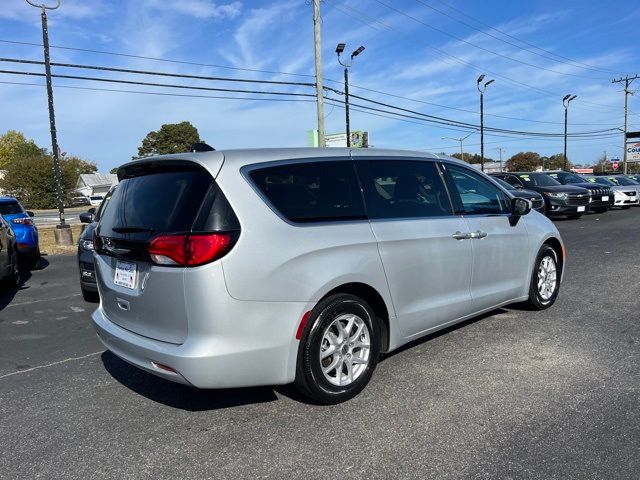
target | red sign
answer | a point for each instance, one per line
(615, 165)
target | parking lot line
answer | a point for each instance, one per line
(42, 300)
(51, 364)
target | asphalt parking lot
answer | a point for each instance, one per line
(514, 394)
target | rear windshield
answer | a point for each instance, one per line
(312, 192)
(161, 202)
(9, 208)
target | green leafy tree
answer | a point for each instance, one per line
(556, 162)
(171, 138)
(524, 162)
(31, 179)
(14, 146)
(471, 157)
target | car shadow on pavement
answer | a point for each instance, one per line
(181, 396)
(8, 293)
(444, 331)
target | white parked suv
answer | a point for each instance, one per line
(271, 266)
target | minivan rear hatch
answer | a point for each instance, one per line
(154, 198)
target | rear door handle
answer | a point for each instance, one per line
(461, 236)
(478, 234)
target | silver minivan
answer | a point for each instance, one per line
(270, 266)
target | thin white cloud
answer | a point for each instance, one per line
(69, 9)
(201, 9)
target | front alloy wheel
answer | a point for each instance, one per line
(338, 350)
(545, 279)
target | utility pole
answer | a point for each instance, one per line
(481, 89)
(565, 102)
(63, 230)
(500, 149)
(318, 54)
(627, 81)
(346, 65)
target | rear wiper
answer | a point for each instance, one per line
(131, 229)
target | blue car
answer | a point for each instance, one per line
(22, 225)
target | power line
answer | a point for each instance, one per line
(164, 94)
(154, 84)
(531, 50)
(502, 32)
(459, 39)
(450, 57)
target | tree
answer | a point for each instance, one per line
(471, 157)
(14, 146)
(524, 162)
(32, 179)
(556, 162)
(171, 138)
(602, 164)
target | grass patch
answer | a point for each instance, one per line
(48, 241)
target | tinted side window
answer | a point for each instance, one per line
(477, 195)
(10, 208)
(312, 192)
(513, 180)
(403, 188)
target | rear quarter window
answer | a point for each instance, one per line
(312, 191)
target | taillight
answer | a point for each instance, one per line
(22, 221)
(189, 250)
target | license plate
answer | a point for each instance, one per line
(581, 209)
(605, 198)
(126, 274)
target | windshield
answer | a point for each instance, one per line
(504, 184)
(10, 208)
(573, 178)
(537, 179)
(625, 182)
(103, 205)
(601, 181)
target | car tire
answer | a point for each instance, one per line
(340, 330)
(89, 296)
(34, 261)
(600, 210)
(546, 272)
(13, 277)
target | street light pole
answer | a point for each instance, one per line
(565, 102)
(63, 231)
(461, 139)
(318, 58)
(481, 89)
(500, 149)
(347, 65)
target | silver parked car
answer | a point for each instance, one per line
(271, 266)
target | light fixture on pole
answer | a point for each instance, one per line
(63, 230)
(481, 88)
(565, 102)
(339, 50)
(459, 140)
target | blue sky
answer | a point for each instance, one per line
(428, 51)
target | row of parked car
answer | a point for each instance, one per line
(561, 193)
(18, 240)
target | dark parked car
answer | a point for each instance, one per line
(25, 230)
(85, 251)
(537, 200)
(601, 195)
(566, 200)
(9, 266)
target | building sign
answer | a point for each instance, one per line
(633, 151)
(359, 139)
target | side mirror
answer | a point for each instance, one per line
(86, 217)
(30, 213)
(520, 206)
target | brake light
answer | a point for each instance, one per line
(22, 221)
(189, 250)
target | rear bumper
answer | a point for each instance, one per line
(26, 249)
(253, 345)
